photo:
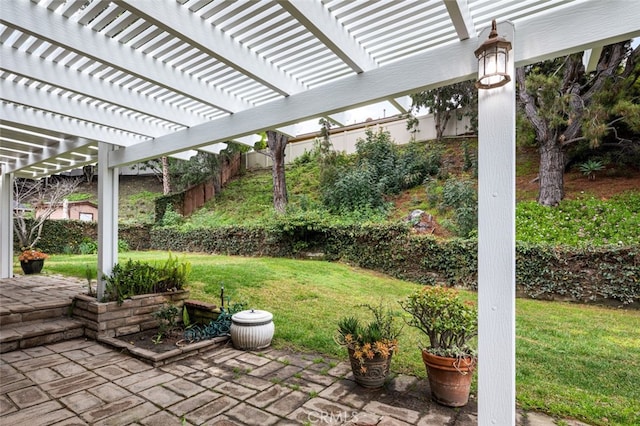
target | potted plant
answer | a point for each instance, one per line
(32, 260)
(370, 345)
(450, 323)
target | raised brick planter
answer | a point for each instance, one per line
(201, 312)
(158, 359)
(111, 319)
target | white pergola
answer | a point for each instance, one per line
(118, 82)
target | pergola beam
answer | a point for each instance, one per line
(47, 101)
(178, 21)
(321, 24)
(33, 67)
(40, 23)
(22, 117)
(591, 22)
(461, 18)
(349, 92)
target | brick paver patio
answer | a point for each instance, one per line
(83, 382)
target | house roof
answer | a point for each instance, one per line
(170, 76)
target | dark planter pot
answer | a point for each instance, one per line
(377, 370)
(32, 266)
(449, 378)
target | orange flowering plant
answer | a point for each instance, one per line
(32, 254)
(378, 338)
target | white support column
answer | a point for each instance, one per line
(6, 224)
(496, 248)
(107, 215)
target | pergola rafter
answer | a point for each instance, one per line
(122, 81)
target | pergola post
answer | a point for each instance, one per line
(6, 224)
(107, 215)
(496, 248)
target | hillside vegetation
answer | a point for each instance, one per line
(599, 212)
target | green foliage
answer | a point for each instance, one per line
(88, 246)
(79, 196)
(446, 101)
(171, 217)
(382, 328)
(589, 168)
(198, 169)
(448, 321)
(355, 189)
(378, 337)
(186, 319)
(134, 277)
(584, 274)
(381, 168)
(138, 208)
(460, 196)
(90, 274)
(167, 322)
(586, 221)
(542, 271)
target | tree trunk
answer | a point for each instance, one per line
(551, 173)
(166, 180)
(277, 143)
(441, 119)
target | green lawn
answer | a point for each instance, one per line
(572, 360)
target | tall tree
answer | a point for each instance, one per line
(565, 105)
(277, 142)
(445, 101)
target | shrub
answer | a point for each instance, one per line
(88, 246)
(355, 189)
(135, 278)
(460, 195)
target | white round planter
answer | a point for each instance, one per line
(251, 330)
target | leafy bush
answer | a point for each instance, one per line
(355, 188)
(461, 197)
(88, 246)
(381, 168)
(170, 217)
(135, 278)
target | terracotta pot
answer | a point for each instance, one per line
(32, 266)
(377, 370)
(449, 378)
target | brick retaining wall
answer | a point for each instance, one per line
(133, 315)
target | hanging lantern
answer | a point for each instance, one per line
(493, 60)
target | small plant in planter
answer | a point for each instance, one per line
(450, 323)
(167, 321)
(370, 345)
(134, 278)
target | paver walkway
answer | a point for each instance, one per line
(81, 382)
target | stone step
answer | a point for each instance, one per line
(38, 332)
(14, 314)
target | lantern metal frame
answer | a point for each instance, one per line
(493, 60)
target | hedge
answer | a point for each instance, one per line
(65, 236)
(542, 271)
